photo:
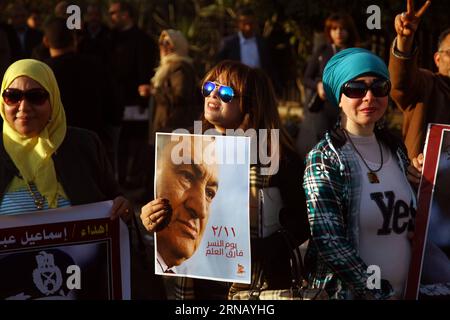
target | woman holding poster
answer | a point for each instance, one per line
(360, 204)
(239, 97)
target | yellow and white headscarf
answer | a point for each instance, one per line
(33, 156)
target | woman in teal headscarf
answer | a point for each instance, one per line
(360, 204)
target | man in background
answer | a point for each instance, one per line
(132, 60)
(23, 39)
(248, 47)
(423, 96)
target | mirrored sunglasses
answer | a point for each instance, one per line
(358, 88)
(225, 93)
(35, 96)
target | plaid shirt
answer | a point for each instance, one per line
(333, 192)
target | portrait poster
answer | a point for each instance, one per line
(429, 274)
(206, 180)
(73, 253)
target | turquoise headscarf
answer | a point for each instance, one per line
(349, 64)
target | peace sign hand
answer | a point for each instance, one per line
(407, 22)
(406, 25)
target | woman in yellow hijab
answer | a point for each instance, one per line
(43, 163)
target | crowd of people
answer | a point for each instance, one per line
(94, 100)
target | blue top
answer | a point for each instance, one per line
(21, 201)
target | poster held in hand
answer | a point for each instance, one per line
(429, 273)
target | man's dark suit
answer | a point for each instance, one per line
(32, 39)
(231, 50)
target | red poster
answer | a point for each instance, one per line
(429, 274)
(69, 253)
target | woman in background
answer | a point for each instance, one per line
(319, 114)
(177, 102)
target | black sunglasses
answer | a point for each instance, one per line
(36, 96)
(358, 88)
(226, 93)
(164, 43)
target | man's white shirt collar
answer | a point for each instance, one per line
(161, 266)
(243, 39)
(249, 51)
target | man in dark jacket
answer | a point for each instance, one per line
(133, 58)
(248, 47)
(86, 91)
(133, 55)
(96, 36)
(22, 38)
(5, 52)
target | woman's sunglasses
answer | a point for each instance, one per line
(358, 89)
(13, 97)
(164, 43)
(226, 93)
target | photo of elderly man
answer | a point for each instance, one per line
(185, 192)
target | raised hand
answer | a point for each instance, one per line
(406, 25)
(321, 91)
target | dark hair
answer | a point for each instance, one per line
(236, 75)
(442, 37)
(346, 21)
(125, 6)
(13, 8)
(34, 11)
(245, 11)
(61, 9)
(95, 5)
(57, 34)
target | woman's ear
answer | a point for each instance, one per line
(437, 59)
